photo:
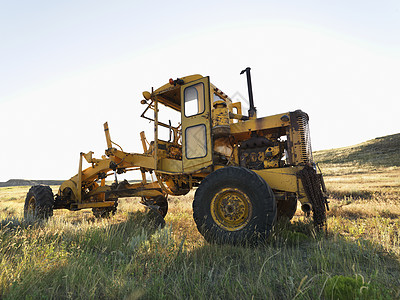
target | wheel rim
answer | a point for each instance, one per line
(32, 205)
(231, 209)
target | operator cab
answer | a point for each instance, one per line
(197, 100)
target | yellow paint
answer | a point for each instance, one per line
(259, 124)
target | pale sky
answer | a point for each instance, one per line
(66, 67)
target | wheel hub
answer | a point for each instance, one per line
(231, 209)
(32, 204)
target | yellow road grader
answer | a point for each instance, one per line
(248, 171)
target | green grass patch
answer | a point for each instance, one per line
(349, 288)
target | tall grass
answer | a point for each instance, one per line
(74, 256)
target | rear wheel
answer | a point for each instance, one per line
(234, 205)
(39, 202)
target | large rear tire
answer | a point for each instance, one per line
(39, 202)
(234, 205)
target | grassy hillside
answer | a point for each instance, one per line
(382, 152)
(75, 256)
(365, 171)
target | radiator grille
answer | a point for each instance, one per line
(305, 145)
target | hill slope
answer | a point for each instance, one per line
(24, 182)
(382, 152)
(367, 170)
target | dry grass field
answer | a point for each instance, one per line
(75, 256)
(363, 182)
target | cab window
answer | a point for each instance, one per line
(194, 100)
(196, 141)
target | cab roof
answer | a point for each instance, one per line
(170, 94)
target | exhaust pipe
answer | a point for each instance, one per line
(306, 208)
(252, 109)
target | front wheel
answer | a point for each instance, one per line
(234, 205)
(39, 202)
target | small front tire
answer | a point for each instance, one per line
(39, 202)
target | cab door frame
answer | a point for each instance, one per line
(196, 125)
